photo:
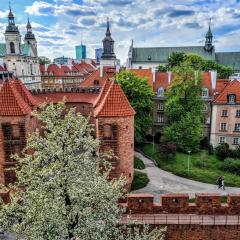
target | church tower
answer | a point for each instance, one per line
(108, 44)
(12, 36)
(209, 39)
(30, 38)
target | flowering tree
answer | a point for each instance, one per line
(65, 196)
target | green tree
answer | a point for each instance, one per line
(139, 94)
(44, 60)
(194, 61)
(65, 195)
(184, 109)
(162, 68)
(175, 59)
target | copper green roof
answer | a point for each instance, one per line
(24, 48)
(161, 54)
(231, 59)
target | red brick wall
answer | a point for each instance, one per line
(124, 144)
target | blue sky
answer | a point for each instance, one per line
(61, 24)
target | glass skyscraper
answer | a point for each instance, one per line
(81, 52)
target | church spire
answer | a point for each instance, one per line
(29, 35)
(29, 26)
(209, 38)
(11, 23)
(108, 44)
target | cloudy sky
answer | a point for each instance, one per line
(61, 24)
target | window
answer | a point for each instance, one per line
(160, 92)
(222, 139)
(205, 92)
(160, 107)
(96, 82)
(231, 99)
(224, 113)
(237, 113)
(205, 108)
(12, 47)
(223, 127)
(160, 118)
(107, 132)
(236, 141)
(237, 127)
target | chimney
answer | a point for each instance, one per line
(169, 77)
(213, 79)
(101, 70)
(154, 74)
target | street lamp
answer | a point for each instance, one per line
(189, 152)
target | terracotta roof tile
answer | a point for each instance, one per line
(232, 87)
(221, 84)
(114, 103)
(11, 102)
(146, 73)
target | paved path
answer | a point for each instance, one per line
(166, 182)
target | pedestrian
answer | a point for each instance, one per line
(223, 184)
(219, 182)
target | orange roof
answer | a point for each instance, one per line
(146, 73)
(161, 81)
(89, 81)
(114, 103)
(221, 84)
(11, 102)
(232, 88)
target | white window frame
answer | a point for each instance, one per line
(237, 127)
(160, 106)
(205, 92)
(237, 142)
(160, 118)
(160, 92)
(224, 111)
(238, 113)
(231, 98)
(222, 139)
(223, 128)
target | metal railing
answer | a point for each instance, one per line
(180, 219)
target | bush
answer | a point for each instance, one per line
(231, 165)
(222, 151)
(168, 149)
(140, 180)
(204, 143)
(210, 149)
(138, 163)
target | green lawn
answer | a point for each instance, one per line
(140, 180)
(179, 166)
(138, 163)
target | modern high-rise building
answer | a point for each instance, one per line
(98, 54)
(81, 52)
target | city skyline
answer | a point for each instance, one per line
(59, 25)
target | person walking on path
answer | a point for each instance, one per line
(219, 182)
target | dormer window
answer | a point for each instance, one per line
(149, 58)
(205, 92)
(232, 99)
(160, 92)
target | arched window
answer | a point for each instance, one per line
(12, 47)
(205, 92)
(160, 92)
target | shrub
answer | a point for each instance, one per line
(210, 149)
(138, 163)
(222, 151)
(168, 149)
(140, 180)
(231, 165)
(204, 143)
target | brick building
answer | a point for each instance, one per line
(55, 76)
(108, 107)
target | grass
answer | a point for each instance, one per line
(138, 163)
(207, 172)
(140, 180)
(223, 199)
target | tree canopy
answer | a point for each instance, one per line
(64, 194)
(139, 94)
(183, 109)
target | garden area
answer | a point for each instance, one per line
(203, 167)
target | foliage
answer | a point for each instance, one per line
(210, 149)
(44, 60)
(139, 94)
(162, 68)
(198, 63)
(211, 171)
(204, 143)
(175, 59)
(222, 151)
(140, 180)
(65, 196)
(168, 149)
(231, 165)
(138, 163)
(183, 109)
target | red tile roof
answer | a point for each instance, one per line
(221, 84)
(161, 81)
(114, 103)
(11, 102)
(145, 73)
(232, 88)
(2, 69)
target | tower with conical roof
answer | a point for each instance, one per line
(108, 44)
(12, 36)
(30, 37)
(209, 39)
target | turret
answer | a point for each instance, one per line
(30, 37)
(209, 39)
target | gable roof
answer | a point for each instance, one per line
(161, 54)
(144, 73)
(232, 88)
(114, 103)
(11, 102)
(231, 59)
